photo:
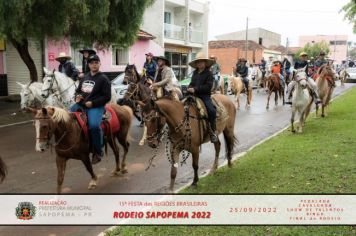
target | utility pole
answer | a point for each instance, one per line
(246, 43)
(334, 47)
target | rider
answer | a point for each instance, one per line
(215, 70)
(242, 70)
(93, 92)
(85, 65)
(286, 67)
(66, 66)
(201, 85)
(300, 64)
(150, 65)
(320, 61)
(276, 69)
(269, 64)
(263, 67)
(163, 79)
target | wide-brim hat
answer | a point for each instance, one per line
(89, 50)
(303, 54)
(63, 55)
(168, 63)
(201, 57)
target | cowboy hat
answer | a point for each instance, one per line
(201, 57)
(168, 63)
(303, 54)
(89, 50)
(243, 59)
(63, 55)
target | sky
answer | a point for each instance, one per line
(290, 18)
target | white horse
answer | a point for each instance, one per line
(31, 96)
(301, 100)
(258, 77)
(57, 82)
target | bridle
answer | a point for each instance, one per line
(50, 87)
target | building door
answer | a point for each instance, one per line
(16, 69)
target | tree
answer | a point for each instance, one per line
(350, 13)
(87, 21)
(313, 50)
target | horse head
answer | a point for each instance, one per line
(301, 77)
(25, 95)
(131, 74)
(49, 83)
(154, 121)
(44, 127)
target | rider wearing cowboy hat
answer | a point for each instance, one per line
(201, 85)
(277, 69)
(85, 65)
(242, 70)
(320, 61)
(163, 79)
(301, 64)
(93, 92)
(215, 70)
(66, 66)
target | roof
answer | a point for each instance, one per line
(144, 35)
(235, 44)
(282, 49)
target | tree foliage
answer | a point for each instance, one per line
(350, 13)
(103, 22)
(313, 50)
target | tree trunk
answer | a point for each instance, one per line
(22, 49)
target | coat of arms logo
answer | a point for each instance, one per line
(25, 211)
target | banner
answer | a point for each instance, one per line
(178, 210)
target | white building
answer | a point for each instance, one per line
(181, 28)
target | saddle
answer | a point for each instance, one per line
(110, 123)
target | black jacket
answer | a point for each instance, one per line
(96, 89)
(85, 66)
(302, 64)
(286, 64)
(69, 69)
(202, 82)
(242, 71)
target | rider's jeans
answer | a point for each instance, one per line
(245, 81)
(310, 82)
(95, 115)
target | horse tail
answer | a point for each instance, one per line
(231, 142)
(3, 170)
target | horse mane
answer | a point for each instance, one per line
(60, 115)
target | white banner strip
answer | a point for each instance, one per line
(178, 209)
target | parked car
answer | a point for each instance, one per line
(118, 85)
(352, 75)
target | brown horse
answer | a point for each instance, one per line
(3, 170)
(325, 83)
(273, 84)
(343, 76)
(71, 143)
(187, 131)
(237, 87)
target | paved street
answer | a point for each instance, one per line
(31, 172)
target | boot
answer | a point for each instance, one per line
(213, 136)
(96, 158)
(289, 101)
(316, 98)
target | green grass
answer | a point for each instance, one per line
(321, 160)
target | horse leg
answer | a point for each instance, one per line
(195, 164)
(229, 144)
(122, 138)
(301, 122)
(174, 167)
(93, 182)
(238, 100)
(323, 110)
(144, 136)
(292, 120)
(269, 96)
(276, 98)
(61, 167)
(217, 146)
(115, 149)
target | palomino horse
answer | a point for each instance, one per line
(343, 76)
(3, 170)
(325, 84)
(58, 83)
(31, 96)
(273, 84)
(71, 143)
(301, 100)
(237, 87)
(187, 130)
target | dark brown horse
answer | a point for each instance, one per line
(273, 84)
(3, 170)
(71, 143)
(187, 131)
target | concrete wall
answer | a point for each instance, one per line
(53, 50)
(153, 20)
(140, 48)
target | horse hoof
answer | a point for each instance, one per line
(115, 173)
(293, 131)
(229, 164)
(322, 115)
(141, 143)
(124, 171)
(92, 185)
(194, 185)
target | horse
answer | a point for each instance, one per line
(301, 100)
(187, 130)
(64, 86)
(71, 142)
(258, 77)
(273, 84)
(237, 87)
(325, 86)
(343, 76)
(3, 170)
(31, 96)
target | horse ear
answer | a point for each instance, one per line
(29, 109)
(44, 111)
(45, 70)
(22, 85)
(50, 111)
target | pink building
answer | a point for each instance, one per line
(337, 45)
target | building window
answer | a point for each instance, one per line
(120, 56)
(338, 42)
(167, 17)
(260, 41)
(179, 63)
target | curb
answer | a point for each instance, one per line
(17, 123)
